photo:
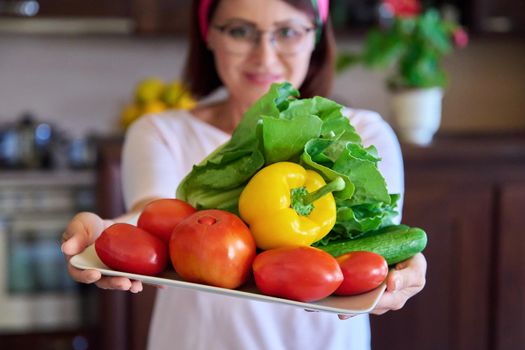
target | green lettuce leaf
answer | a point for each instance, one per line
(313, 132)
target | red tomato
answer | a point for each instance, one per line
(297, 273)
(127, 248)
(162, 215)
(213, 247)
(363, 271)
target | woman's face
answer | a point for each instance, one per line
(260, 42)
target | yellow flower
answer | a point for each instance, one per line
(153, 107)
(149, 89)
(153, 95)
(186, 101)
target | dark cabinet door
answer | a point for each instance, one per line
(468, 193)
(451, 312)
(510, 271)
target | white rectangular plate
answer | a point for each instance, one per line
(356, 304)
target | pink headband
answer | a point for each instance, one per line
(321, 7)
(204, 9)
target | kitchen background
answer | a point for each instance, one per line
(69, 71)
(81, 83)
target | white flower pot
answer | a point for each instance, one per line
(417, 114)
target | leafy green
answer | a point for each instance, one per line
(219, 179)
(354, 221)
(313, 132)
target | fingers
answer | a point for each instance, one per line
(74, 245)
(81, 232)
(120, 283)
(345, 316)
(94, 276)
(136, 286)
(403, 282)
(341, 316)
(408, 274)
(391, 301)
(83, 276)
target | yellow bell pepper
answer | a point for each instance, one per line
(287, 205)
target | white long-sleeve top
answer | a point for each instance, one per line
(159, 150)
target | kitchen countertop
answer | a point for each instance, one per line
(461, 147)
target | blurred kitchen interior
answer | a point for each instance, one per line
(66, 73)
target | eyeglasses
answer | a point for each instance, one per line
(288, 39)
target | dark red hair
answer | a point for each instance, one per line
(201, 77)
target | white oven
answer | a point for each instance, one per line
(36, 293)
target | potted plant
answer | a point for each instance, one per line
(411, 42)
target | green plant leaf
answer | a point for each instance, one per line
(382, 48)
(433, 32)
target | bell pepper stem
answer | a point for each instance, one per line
(338, 184)
(303, 202)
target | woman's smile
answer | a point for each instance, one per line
(263, 78)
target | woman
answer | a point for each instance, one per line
(243, 45)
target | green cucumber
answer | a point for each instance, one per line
(395, 243)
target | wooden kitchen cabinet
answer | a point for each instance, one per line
(94, 8)
(168, 17)
(161, 17)
(124, 317)
(509, 293)
(487, 17)
(453, 307)
(145, 17)
(468, 193)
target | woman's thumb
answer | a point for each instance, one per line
(81, 232)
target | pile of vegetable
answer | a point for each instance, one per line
(311, 132)
(295, 182)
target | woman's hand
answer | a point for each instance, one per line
(82, 231)
(402, 283)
